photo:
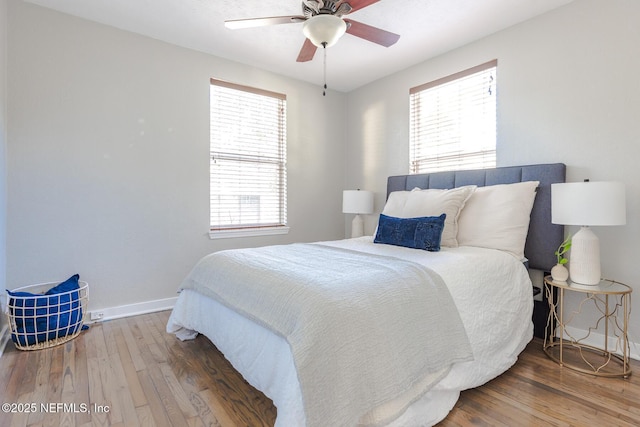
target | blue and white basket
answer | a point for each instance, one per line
(38, 320)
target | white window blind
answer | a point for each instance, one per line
(453, 121)
(248, 186)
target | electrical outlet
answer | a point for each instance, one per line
(97, 315)
(537, 279)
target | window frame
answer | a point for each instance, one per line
(417, 166)
(220, 231)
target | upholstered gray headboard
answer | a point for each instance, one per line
(543, 238)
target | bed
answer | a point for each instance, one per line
(338, 361)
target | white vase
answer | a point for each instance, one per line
(559, 273)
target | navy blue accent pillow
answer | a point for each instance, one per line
(68, 285)
(57, 314)
(418, 233)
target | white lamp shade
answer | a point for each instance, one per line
(357, 201)
(324, 29)
(588, 203)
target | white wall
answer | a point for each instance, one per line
(107, 140)
(3, 157)
(568, 91)
(108, 157)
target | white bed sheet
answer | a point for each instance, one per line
(491, 289)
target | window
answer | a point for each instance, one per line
(248, 186)
(453, 122)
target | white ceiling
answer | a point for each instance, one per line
(427, 29)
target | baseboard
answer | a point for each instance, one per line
(594, 339)
(5, 337)
(597, 340)
(117, 312)
(110, 313)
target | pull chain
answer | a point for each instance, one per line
(324, 47)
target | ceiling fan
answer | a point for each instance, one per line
(324, 25)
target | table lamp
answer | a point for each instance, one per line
(587, 204)
(357, 202)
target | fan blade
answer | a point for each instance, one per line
(307, 52)
(372, 34)
(360, 4)
(261, 22)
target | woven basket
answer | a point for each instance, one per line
(43, 321)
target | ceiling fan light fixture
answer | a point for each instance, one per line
(324, 30)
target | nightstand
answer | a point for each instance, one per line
(611, 302)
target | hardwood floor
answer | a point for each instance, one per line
(130, 372)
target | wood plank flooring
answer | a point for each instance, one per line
(130, 372)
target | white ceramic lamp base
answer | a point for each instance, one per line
(357, 226)
(584, 263)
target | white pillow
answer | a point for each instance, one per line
(497, 217)
(432, 202)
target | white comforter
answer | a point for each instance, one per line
(336, 308)
(491, 290)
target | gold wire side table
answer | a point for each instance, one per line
(612, 300)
